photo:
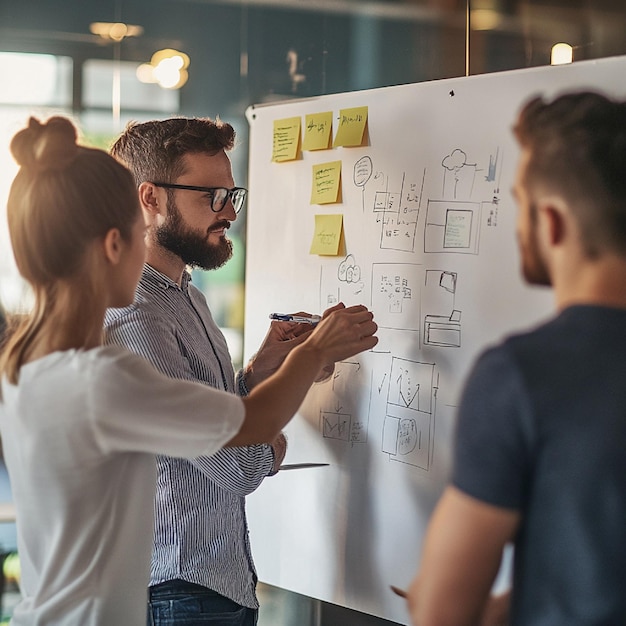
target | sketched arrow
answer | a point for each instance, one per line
(382, 383)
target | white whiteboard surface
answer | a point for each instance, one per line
(429, 227)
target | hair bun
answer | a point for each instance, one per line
(48, 146)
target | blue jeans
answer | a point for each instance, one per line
(179, 603)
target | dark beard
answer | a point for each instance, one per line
(191, 247)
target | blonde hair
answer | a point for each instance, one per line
(63, 198)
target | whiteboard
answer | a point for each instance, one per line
(430, 247)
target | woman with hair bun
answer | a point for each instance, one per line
(81, 423)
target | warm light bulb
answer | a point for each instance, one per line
(145, 73)
(169, 68)
(561, 54)
(115, 31)
(168, 72)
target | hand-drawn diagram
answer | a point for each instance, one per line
(492, 208)
(362, 172)
(341, 422)
(452, 226)
(493, 168)
(442, 322)
(459, 175)
(408, 297)
(493, 176)
(335, 425)
(341, 285)
(409, 424)
(396, 295)
(453, 223)
(397, 210)
(349, 271)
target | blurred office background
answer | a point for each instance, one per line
(90, 59)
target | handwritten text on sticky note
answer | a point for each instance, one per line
(328, 235)
(317, 131)
(286, 139)
(351, 127)
(326, 183)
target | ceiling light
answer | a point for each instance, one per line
(562, 53)
(115, 31)
(167, 67)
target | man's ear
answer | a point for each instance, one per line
(112, 246)
(554, 220)
(149, 199)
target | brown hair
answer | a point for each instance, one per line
(63, 198)
(154, 151)
(577, 148)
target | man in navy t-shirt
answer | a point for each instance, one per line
(540, 452)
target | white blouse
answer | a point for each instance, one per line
(80, 433)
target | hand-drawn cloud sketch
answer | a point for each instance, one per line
(349, 271)
(341, 284)
(458, 175)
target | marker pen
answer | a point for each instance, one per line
(302, 319)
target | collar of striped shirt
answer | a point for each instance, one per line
(164, 281)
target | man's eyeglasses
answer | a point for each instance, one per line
(219, 195)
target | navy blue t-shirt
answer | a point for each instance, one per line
(542, 430)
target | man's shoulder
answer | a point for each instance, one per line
(567, 340)
(577, 325)
(146, 309)
(536, 337)
(141, 307)
(508, 358)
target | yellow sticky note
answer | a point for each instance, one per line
(326, 183)
(317, 131)
(328, 235)
(351, 127)
(286, 142)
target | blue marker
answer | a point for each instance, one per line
(302, 319)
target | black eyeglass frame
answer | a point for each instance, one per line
(233, 194)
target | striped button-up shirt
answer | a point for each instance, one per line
(201, 533)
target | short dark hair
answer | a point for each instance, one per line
(577, 148)
(155, 150)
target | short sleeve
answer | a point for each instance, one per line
(135, 407)
(494, 432)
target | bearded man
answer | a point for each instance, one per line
(540, 459)
(202, 568)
